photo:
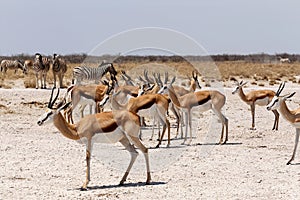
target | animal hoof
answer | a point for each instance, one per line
(83, 189)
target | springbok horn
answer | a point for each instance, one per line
(159, 79)
(49, 104)
(173, 80)
(55, 98)
(166, 77)
(281, 86)
(147, 78)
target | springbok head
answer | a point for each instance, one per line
(277, 99)
(195, 79)
(51, 110)
(239, 86)
(165, 88)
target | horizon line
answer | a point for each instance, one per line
(138, 55)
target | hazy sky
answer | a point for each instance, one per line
(220, 26)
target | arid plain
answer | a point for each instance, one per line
(37, 162)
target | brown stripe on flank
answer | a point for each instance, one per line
(204, 100)
(111, 127)
(106, 122)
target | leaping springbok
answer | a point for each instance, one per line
(106, 127)
(292, 116)
(257, 97)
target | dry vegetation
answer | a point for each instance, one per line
(256, 71)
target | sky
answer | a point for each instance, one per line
(219, 26)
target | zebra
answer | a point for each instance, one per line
(41, 67)
(90, 73)
(59, 68)
(12, 64)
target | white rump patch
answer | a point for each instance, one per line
(262, 102)
(108, 137)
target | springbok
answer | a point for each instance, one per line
(257, 97)
(28, 64)
(156, 87)
(84, 95)
(194, 84)
(107, 127)
(292, 116)
(180, 91)
(205, 100)
(153, 104)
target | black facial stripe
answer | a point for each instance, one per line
(275, 101)
(48, 115)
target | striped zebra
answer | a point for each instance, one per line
(12, 64)
(91, 73)
(59, 68)
(41, 67)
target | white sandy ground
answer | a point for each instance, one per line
(39, 163)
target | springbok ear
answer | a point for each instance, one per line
(241, 82)
(290, 95)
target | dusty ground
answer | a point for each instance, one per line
(39, 163)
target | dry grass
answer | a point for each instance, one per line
(259, 71)
(273, 73)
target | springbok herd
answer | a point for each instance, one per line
(130, 100)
